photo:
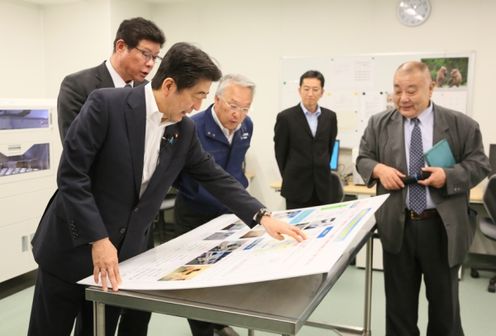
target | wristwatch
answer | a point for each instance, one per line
(262, 212)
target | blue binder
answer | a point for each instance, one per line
(440, 155)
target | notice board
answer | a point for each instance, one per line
(358, 86)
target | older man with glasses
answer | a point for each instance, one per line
(225, 131)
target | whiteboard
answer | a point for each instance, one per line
(358, 86)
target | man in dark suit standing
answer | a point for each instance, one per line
(136, 46)
(120, 156)
(426, 227)
(304, 138)
(225, 131)
(135, 51)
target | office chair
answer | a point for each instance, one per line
(338, 192)
(162, 231)
(488, 227)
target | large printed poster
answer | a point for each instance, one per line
(225, 251)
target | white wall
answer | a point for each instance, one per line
(21, 58)
(77, 36)
(125, 9)
(248, 37)
(48, 42)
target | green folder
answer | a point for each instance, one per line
(440, 155)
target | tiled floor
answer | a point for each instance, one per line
(343, 305)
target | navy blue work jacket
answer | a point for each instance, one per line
(229, 156)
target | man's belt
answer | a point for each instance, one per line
(426, 214)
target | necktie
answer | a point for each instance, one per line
(417, 198)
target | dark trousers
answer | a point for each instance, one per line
(313, 201)
(56, 303)
(135, 322)
(131, 323)
(187, 218)
(423, 253)
(201, 328)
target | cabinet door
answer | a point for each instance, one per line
(15, 242)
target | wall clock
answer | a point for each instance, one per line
(412, 13)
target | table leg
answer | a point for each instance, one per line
(98, 319)
(367, 314)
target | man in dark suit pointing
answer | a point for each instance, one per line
(120, 156)
(304, 138)
(136, 47)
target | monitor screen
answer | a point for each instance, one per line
(335, 156)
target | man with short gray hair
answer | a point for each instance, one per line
(225, 131)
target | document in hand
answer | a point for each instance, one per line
(440, 155)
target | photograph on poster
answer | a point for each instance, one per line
(184, 273)
(448, 72)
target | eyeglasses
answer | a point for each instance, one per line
(235, 108)
(148, 55)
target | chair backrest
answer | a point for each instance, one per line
(489, 198)
(338, 191)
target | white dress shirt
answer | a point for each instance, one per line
(116, 78)
(154, 132)
(227, 133)
(312, 118)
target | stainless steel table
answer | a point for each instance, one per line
(279, 306)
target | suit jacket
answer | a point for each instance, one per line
(229, 156)
(75, 89)
(99, 181)
(303, 160)
(383, 142)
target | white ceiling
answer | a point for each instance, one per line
(48, 2)
(52, 2)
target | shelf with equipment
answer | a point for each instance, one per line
(29, 153)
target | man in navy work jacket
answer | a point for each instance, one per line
(120, 156)
(225, 131)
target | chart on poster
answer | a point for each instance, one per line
(225, 251)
